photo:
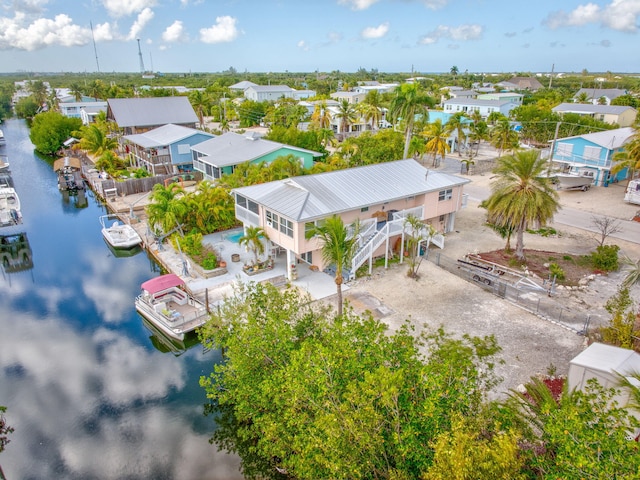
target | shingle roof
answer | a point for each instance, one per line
(232, 149)
(311, 197)
(165, 135)
(144, 112)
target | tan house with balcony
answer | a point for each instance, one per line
(379, 197)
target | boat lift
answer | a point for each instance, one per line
(491, 274)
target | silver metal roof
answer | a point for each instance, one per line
(231, 148)
(477, 102)
(311, 197)
(590, 108)
(610, 139)
(144, 112)
(165, 135)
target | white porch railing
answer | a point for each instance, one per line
(390, 229)
(415, 211)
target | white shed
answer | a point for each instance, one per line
(602, 362)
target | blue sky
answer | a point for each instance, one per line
(326, 35)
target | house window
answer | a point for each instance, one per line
(308, 227)
(442, 218)
(307, 257)
(445, 195)
(252, 207)
(272, 219)
(364, 209)
(564, 149)
(592, 153)
(286, 227)
(241, 201)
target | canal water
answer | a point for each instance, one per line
(90, 391)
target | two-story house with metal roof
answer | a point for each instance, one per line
(138, 115)
(164, 150)
(620, 115)
(379, 197)
(591, 154)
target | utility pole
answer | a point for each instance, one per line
(553, 65)
(553, 146)
(95, 51)
(141, 60)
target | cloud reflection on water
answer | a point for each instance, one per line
(90, 405)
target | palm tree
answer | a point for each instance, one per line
(370, 113)
(407, 103)
(503, 137)
(416, 232)
(95, 140)
(321, 116)
(252, 239)
(628, 158)
(201, 102)
(96, 89)
(76, 90)
(38, 91)
(478, 131)
(521, 196)
(346, 114)
(633, 272)
(338, 248)
(455, 124)
(454, 71)
(167, 210)
(436, 140)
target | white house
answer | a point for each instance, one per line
(485, 107)
(613, 114)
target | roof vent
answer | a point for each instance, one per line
(253, 136)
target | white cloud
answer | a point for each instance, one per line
(435, 4)
(619, 15)
(303, 45)
(375, 32)
(28, 6)
(41, 33)
(144, 17)
(103, 32)
(460, 33)
(123, 8)
(224, 30)
(174, 32)
(357, 4)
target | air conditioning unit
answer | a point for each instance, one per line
(270, 224)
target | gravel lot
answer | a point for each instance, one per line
(530, 345)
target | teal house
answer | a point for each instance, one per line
(592, 154)
(220, 155)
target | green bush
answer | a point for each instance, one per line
(605, 258)
(556, 271)
(210, 261)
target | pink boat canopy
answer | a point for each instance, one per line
(162, 283)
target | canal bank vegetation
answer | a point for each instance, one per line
(303, 393)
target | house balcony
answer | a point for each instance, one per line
(581, 161)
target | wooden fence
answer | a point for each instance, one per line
(133, 186)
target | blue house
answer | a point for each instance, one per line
(592, 152)
(219, 156)
(164, 150)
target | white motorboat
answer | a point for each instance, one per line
(10, 213)
(581, 180)
(169, 307)
(4, 163)
(118, 234)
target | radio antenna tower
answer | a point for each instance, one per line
(94, 46)
(141, 60)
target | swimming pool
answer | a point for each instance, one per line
(235, 236)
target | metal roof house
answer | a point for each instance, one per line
(613, 114)
(592, 153)
(164, 150)
(379, 196)
(220, 155)
(595, 94)
(138, 115)
(485, 107)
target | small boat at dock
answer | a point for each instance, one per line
(10, 213)
(3, 141)
(117, 234)
(166, 304)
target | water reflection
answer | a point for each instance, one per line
(15, 252)
(99, 410)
